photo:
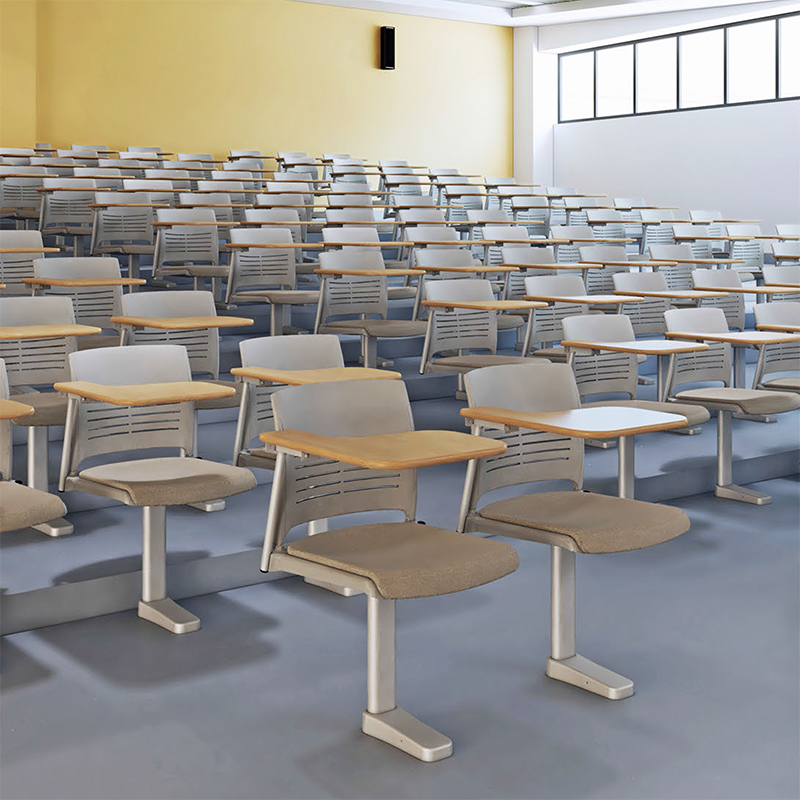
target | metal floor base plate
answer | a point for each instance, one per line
(399, 729)
(169, 615)
(585, 674)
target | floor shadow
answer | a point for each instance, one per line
(126, 650)
(542, 766)
(122, 566)
(19, 668)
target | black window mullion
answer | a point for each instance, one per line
(677, 72)
(635, 85)
(777, 58)
(725, 66)
(594, 85)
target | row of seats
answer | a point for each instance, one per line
(344, 442)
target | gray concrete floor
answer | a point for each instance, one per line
(265, 700)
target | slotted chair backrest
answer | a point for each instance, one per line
(678, 276)
(783, 357)
(568, 253)
(601, 281)
(102, 428)
(733, 304)
(605, 372)
(36, 361)
(160, 191)
(461, 329)
(704, 366)
(218, 201)
(320, 351)
(93, 305)
(547, 321)
(202, 344)
(316, 488)
(183, 244)
(68, 208)
(117, 225)
(290, 216)
(646, 316)
(532, 456)
(351, 295)
(16, 266)
(257, 268)
(525, 254)
(701, 248)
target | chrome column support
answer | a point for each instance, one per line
(39, 478)
(725, 486)
(155, 606)
(626, 479)
(564, 664)
(383, 718)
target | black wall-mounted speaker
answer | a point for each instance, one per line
(387, 47)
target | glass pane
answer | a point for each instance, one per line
(790, 56)
(615, 81)
(702, 69)
(577, 86)
(751, 62)
(656, 75)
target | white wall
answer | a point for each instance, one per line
(743, 160)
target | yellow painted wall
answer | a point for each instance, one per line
(17, 72)
(208, 75)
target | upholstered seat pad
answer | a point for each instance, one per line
(405, 559)
(21, 506)
(381, 328)
(50, 408)
(507, 322)
(786, 384)
(696, 414)
(171, 481)
(478, 361)
(222, 402)
(401, 292)
(288, 297)
(750, 401)
(597, 523)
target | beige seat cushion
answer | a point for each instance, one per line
(222, 402)
(171, 481)
(696, 415)
(750, 401)
(93, 342)
(50, 408)
(287, 297)
(783, 384)
(404, 559)
(478, 361)
(21, 506)
(401, 292)
(597, 523)
(380, 328)
(507, 322)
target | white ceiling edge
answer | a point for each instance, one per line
(437, 9)
(579, 35)
(551, 13)
(595, 10)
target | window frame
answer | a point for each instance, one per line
(775, 19)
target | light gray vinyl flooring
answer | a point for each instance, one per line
(265, 700)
